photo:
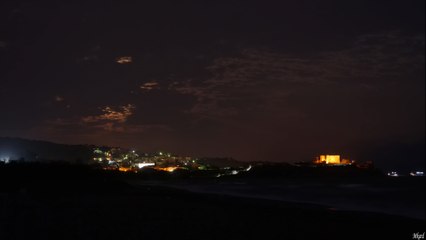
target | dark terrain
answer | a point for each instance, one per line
(56, 201)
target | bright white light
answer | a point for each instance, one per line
(393, 174)
(5, 159)
(417, 174)
(142, 165)
(249, 168)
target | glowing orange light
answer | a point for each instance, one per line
(329, 159)
(124, 169)
(167, 169)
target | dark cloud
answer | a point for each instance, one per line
(256, 81)
(318, 100)
(3, 45)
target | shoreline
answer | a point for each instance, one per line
(126, 211)
(324, 200)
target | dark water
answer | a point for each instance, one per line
(403, 196)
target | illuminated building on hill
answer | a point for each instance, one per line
(332, 160)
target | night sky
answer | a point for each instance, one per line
(253, 80)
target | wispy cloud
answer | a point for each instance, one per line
(59, 98)
(89, 58)
(112, 119)
(119, 115)
(150, 86)
(109, 126)
(258, 81)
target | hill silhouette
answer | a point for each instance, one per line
(16, 149)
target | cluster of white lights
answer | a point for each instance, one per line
(142, 165)
(417, 174)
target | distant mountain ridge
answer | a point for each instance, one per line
(18, 149)
(222, 162)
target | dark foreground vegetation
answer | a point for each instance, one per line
(57, 201)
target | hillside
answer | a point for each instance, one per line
(32, 150)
